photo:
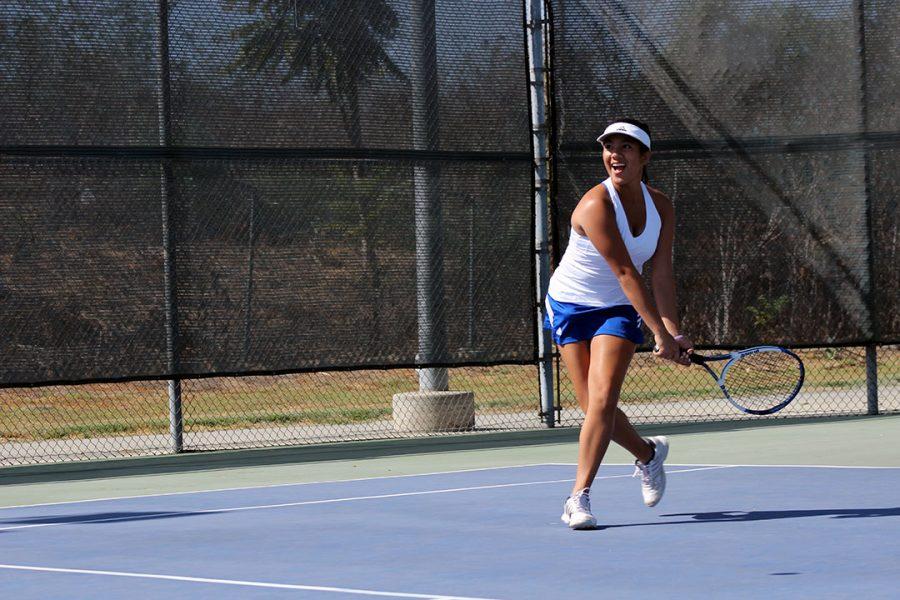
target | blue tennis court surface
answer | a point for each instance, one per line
(721, 531)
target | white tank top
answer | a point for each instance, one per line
(583, 275)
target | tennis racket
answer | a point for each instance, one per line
(760, 380)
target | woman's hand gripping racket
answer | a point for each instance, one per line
(759, 380)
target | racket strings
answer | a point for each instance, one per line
(763, 379)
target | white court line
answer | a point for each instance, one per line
(276, 485)
(299, 483)
(325, 501)
(258, 584)
(379, 477)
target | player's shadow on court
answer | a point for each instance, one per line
(109, 517)
(769, 515)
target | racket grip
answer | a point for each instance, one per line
(694, 358)
(677, 338)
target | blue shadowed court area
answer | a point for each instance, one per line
(737, 531)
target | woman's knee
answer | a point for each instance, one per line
(604, 403)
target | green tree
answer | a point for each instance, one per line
(766, 315)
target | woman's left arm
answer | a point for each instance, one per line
(663, 273)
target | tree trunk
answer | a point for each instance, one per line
(365, 214)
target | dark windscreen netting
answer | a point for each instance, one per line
(319, 154)
(79, 73)
(261, 76)
(883, 66)
(330, 276)
(882, 21)
(81, 290)
(758, 111)
(313, 156)
(886, 241)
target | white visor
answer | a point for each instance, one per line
(628, 129)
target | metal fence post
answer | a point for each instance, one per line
(176, 422)
(248, 295)
(429, 235)
(871, 296)
(535, 21)
(872, 379)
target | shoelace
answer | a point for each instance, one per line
(582, 502)
(644, 471)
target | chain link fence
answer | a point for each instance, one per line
(95, 421)
(237, 224)
(835, 385)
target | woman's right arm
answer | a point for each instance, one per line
(597, 217)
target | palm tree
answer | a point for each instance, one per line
(337, 45)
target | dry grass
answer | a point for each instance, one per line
(339, 398)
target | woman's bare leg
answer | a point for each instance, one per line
(609, 360)
(577, 358)
(625, 435)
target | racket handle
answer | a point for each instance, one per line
(695, 358)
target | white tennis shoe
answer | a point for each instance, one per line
(653, 475)
(577, 511)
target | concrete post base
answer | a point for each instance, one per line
(419, 412)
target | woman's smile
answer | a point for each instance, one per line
(622, 158)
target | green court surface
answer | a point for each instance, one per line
(856, 441)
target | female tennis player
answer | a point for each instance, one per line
(596, 302)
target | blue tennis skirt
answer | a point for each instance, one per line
(576, 323)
